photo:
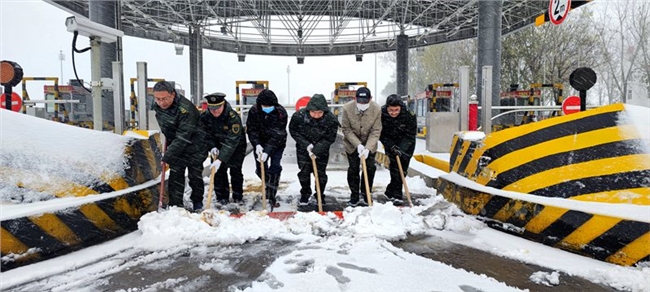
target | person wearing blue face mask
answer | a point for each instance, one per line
(266, 127)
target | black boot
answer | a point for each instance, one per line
(272, 182)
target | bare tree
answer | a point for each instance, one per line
(624, 30)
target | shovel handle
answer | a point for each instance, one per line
(318, 194)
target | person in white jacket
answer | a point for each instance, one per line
(361, 126)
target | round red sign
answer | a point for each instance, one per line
(571, 105)
(302, 102)
(16, 102)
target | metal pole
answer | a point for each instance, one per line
(96, 77)
(61, 59)
(288, 84)
(463, 82)
(375, 74)
(118, 98)
(143, 107)
(486, 110)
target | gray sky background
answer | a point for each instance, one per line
(33, 32)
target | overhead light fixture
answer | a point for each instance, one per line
(359, 57)
(241, 57)
(224, 30)
(300, 33)
(301, 60)
(179, 48)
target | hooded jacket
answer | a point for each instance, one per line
(268, 130)
(306, 130)
(179, 124)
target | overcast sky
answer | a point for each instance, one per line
(33, 32)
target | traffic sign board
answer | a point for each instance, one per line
(558, 10)
(302, 102)
(16, 102)
(571, 105)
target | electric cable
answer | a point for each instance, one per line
(74, 65)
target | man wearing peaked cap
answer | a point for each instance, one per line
(226, 136)
(361, 126)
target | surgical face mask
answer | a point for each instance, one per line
(363, 106)
(268, 109)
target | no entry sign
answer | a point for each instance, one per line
(558, 10)
(571, 105)
(16, 102)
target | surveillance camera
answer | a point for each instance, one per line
(89, 28)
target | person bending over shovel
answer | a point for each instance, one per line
(266, 127)
(399, 128)
(225, 134)
(178, 120)
(314, 130)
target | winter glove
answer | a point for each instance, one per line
(264, 157)
(214, 152)
(360, 148)
(259, 150)
(364, 154)
(396, 151)
(216, 164)
(309, 148)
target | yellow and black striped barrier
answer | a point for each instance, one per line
(595, 155)
(605, 238)
(30, 238)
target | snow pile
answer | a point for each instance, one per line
(42, 154)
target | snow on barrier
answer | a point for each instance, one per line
(81, 204)
(593, 158)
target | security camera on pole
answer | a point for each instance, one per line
(97, 33)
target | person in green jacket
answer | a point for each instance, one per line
(314, 130)
(227, 137)
(186, 148)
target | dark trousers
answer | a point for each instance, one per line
(273, 170)
(355, 182)
(304, 175)
(394, 188)
(233, 166)
(176, 183)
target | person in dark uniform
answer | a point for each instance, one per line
(186, 148)
(314, 130)
(266, 127)
(361, 126)
(399, 128)
(226, 135)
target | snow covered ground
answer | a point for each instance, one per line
(324, 253)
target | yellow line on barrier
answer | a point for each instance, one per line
(569, 172)
(463, 151)
(588, 231)
(544, 219)
(97, 216)
(508, 210)
(11, 244)
(555, 146)
(116, 182)
(636, 196)
(632, 252)
(52, 225)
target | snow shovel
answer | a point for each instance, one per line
(162, 181)
(263, 184)
(365, 180)
(401, 174)
(213, 171)
(318, 194)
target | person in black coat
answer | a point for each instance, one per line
(186, 147)
(399, 128)
(314, 130)
(226, 135)
(266, 127)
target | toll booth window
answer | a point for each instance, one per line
(250, 100)
(49, 107)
